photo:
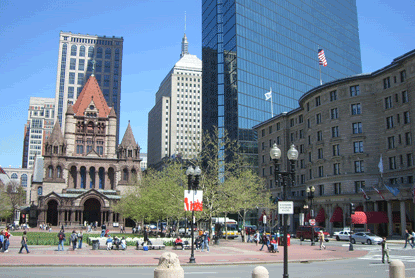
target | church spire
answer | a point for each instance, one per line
(185, 44)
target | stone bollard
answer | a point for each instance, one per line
(396, 269)
(260, 272)
(169, 266)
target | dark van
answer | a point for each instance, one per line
(305, 232)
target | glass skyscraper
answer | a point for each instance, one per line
(250, 46)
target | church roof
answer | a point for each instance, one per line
(91, 92)
(56, 136)
(128, 139)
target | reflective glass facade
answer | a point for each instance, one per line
(252, 45)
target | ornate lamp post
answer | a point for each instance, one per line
(193, 184)
(310, 195)
(284, 178)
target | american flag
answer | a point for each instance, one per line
(2, 171)
(322, 58)
(378, 192)
(367, 198)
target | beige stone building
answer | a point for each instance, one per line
(85, 172)
(346, 131)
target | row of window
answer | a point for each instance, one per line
(99, 53)
(23, 179)
(83, 40)
(185, 79)
(387, 80)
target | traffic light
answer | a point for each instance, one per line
(352, 209)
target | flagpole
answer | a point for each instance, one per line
(319, 66)
(272, 110)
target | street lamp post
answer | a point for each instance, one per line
(193, 184)
(310, 195)
(284, 178)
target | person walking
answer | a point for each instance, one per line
(121, 229)
(408, 237)
(265, 241)
(74, 238)
(80, 236)
(385, 251)
(205, 241)
(103, 229)
(6, 242)
(256, 237)
(61, 238)
(24, 243)
(321, 238)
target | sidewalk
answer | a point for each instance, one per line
(228, 252)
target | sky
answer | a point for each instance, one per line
(152, 32)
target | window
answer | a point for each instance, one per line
(336, 150)
(408, 138)
(321, 189)
(336, 169)
(359, 166)
(308, 123)
(386, 83)
(79, 149)
(300, 119)
(357, 128)
(99, 52)
(301, 134)
(309, 157)
(391, 142)
(70, 92)
(308, 106)
(356, 109)
(81, 78)
(358, 185)
(310, 174)
(73, 50)
(263, 132)
(278, 126)
(320, 153)
(358, 147)
(354, 90)
(403, 75)
(81, 64)
(405, 97)
(319, 135)
(39, 191)
(409, 160)
(50, 172)
(72, 65)
(270, 129)
(291, 122)
(23, 180)
(91, 52)
(71, 78)
(320, 171)
(59, 172)
(318, 101)
(108, 53)
(388, 102)
(406, 118)
(337, 188)
(107, 66)
(333, 95)
(335, 131)
(389, 122)
(392, 163)
(334, 114)
(318, 118)
(82, 51)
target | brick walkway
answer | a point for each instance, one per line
(228, 252)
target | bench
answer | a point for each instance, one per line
(155, 244)
(186, 246)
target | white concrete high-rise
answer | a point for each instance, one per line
(77, 55)
(174, 123)
(39, 126)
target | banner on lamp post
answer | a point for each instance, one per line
(193, 200)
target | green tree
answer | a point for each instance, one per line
(12, 196)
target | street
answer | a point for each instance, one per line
(366, 266)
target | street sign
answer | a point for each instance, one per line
(312, 222)
(285, 207)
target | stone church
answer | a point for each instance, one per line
(85, 173)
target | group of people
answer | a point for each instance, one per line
(200, 243)
(111, 242)
(271, 241)
(4, 240)
(45, 227)
(75, 239)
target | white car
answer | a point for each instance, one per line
(342, 235)
(366, 237)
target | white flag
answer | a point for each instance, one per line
(268, 95)
(380, 165)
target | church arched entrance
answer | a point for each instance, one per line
(92, 211)
(52, 214)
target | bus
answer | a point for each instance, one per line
(232, 226)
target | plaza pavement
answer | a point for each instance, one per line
(227, 252)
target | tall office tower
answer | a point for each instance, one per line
(39, 126)
(77, 54)
(249, 47)
(174, 123)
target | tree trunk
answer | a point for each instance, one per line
(226, 226)
(243, 221)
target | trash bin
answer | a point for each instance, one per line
(95, 244)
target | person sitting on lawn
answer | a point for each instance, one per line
(179, 242)
(123, 243)
(109, 243)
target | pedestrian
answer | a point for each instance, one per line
(74, 237)
(6, 241)
(408, 237)
(385, 250)
(256, 237)
(63, 228)
(24, 243)
(123, 243)
(321, 238)
(80, 236)
(248, 233)
(1, 240)
(61, 238)
(145, 234)
(121, 229)
(413, 238)
(205, 241)
(265, 241)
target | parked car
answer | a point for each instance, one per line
(342, 235)
(366, 237)
(305, 232)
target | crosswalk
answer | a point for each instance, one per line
(395, 253)
(378, 257)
